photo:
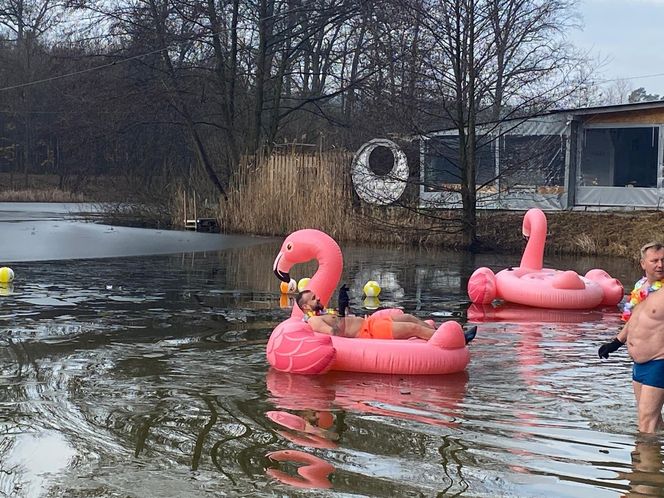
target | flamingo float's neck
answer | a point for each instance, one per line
(534, 227)
(327, 275)
(330, 264)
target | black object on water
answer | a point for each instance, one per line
(470, 333)
(343, 300)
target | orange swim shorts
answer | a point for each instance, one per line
(376, 328)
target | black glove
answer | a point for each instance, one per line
(610, 347)
(343, 300)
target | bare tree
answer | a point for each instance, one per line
(492, 60)
(26, 24)
(641, 95)
(616, 92)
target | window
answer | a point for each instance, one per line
(441, 163)
(535, 161)
(620, 157)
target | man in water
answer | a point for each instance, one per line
(644, 335)
(652, 263)
(372, 327)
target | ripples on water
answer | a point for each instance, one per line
(146, 377)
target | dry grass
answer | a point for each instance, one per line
(41, 195)
(580, 233)
(585, 244)
(286, 192)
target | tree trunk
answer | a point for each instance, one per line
(468, 186)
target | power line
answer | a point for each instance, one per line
(82, 71)
(134, 57)
(630, 78)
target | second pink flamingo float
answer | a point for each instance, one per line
(532, 285)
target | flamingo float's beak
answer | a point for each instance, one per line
(284, 276)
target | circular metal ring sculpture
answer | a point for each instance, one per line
(375, 189)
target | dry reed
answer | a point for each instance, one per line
(586, 244)
(40, 195)
(285, 192)
(289, 191)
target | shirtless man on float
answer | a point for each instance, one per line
(402, 326)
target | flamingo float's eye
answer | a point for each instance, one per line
(289, 247)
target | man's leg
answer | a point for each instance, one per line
(650, 401)
(407, 329)
(406, 318)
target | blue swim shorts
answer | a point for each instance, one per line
(650, 373)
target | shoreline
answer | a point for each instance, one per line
(604, 233)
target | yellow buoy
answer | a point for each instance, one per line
(371, 289)
(371, 303)
(288, 287)
(286, 301)
(303, 282)
(6, 275)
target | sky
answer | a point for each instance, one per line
(630, 34)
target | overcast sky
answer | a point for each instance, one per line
(630, 34)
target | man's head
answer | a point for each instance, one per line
(652, 261)
(308, 301)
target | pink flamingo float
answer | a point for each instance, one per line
(532, 285)
(294, 346)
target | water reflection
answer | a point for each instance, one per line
(429, 399)
(516, 313)
(306, 428)
(286, 301)
(646, 477)
(356, 414)
(312, 474)
(371, 303)
(30, 459)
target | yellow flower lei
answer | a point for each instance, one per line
(326, 311)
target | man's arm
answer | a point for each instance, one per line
(319, 324)
(613, 346)
(328, 324)
(622, 335)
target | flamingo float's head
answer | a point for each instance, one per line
(300, 247)
(534, 219)
(295, 249)
(305, 245)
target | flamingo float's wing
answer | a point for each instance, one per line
(482, 286)
(293, 347)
